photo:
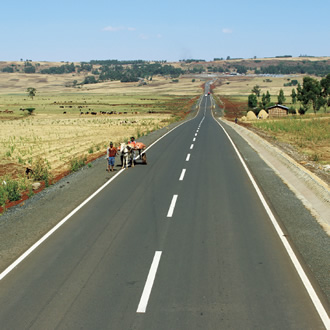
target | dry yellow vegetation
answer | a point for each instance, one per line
(242, 85)
(58, 137)
(57, 140)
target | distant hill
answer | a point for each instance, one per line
(101, 70)
(278, 65)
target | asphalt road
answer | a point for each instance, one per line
(182, 243)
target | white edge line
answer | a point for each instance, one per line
(314, 297)
(49, 233)
(142, 307)
(182, 174)
(172, 206)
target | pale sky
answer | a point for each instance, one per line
(162, 30)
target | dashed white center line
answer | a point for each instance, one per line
(194, 139)
(191, 146)
(195, 134)
(172, 206)
(188, 157)
(182, 174)
(149, 283)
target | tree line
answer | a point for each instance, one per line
(137, 72)
(125, 71)
(312, 93)
(319, 68)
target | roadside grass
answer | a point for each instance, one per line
(11, 190)
(309, 135)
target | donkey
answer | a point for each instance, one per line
(125, 152)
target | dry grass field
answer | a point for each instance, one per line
(58, 131)
(309, 135)
(58, 140)
(242, 85)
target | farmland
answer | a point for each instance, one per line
(72, 124)
(62, 126)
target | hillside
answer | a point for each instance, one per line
(125, 71)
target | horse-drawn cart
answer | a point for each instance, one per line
(139, 153)
(131, 152)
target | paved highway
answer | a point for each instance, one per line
(182, 243)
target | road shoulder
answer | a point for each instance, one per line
(311, 190)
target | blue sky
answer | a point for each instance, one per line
(162, 30)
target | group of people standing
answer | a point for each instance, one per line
(112, 152)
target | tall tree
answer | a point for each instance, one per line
(294, 96)
(325, 84)
(281, 98)
(309, 93)
(256, 90)
(267, 97)
(321, 102)
(31, 92)
(263, 101)
(252, 101)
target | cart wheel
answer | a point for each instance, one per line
(144, 159)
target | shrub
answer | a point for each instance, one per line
(301, 111)
(12, 188)
(8, 69)
(30, 191)
(77, 162)
(315, 157)
(41, 169)
(292, 110)
(3, 195)
(9, 190)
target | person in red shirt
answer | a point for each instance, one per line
(111, 154)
